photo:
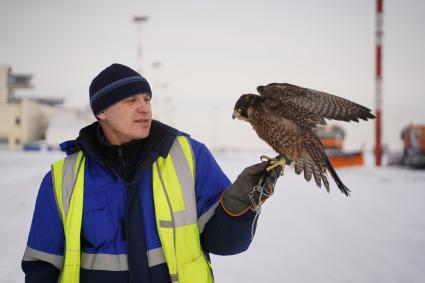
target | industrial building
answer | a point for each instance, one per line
(23, 120)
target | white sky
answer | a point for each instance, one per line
(214, 51)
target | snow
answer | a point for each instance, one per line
(304, 234)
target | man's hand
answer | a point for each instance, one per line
(236, 199)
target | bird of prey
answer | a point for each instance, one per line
(285, 115)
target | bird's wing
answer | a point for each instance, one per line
(322, 104)
(297, 114)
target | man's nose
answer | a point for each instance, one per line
(142, 105)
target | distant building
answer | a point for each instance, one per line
(22, 120)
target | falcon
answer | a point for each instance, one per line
(285, 116)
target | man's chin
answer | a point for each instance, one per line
(143, 133)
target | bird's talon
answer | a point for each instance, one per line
(265, 158)
(274, 162)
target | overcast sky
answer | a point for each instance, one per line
(214, 51)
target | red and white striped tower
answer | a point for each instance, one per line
(378, 91)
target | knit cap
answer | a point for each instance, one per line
(114, 84)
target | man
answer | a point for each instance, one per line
(136, 200)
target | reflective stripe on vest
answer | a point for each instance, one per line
(176, 217)
(68, 183)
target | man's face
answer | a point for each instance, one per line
(127, 120)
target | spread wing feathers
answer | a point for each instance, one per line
(294, 112)
(323, 104)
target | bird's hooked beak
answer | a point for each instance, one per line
(238, 115)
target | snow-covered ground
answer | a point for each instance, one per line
(304, 234)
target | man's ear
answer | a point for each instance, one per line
(101, 116)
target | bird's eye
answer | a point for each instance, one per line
(240, 110)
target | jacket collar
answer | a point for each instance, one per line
(159, 141)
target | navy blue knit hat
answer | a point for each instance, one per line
(116, 83)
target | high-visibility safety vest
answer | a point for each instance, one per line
(175, 211)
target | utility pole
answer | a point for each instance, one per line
(139, 20)
(378, 81)
(157, 89)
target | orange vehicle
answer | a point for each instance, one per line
(332, 138)
(413, 137)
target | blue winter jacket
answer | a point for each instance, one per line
(120, 218)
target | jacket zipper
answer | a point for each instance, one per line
(124, 164)
(127, 189)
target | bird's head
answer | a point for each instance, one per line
(245, 105)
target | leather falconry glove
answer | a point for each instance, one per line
(245, 192)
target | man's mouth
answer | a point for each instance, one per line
(142, 121)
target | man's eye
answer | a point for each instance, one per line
(131, 99)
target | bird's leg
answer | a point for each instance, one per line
(275, 162)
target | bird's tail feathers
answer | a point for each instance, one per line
(320, 160)
(335, 176)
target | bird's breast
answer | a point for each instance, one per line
(278, 132)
